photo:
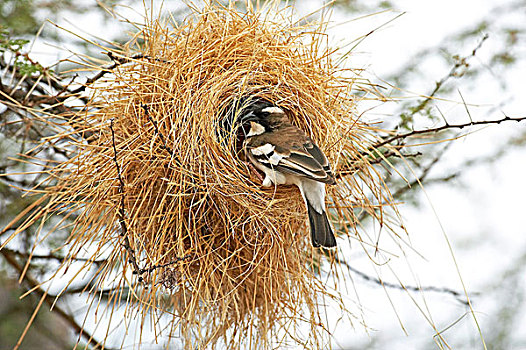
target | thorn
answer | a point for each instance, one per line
(465, 106)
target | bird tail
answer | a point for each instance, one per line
(320, 229)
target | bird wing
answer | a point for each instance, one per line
(290, 151)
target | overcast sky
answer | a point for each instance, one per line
(482, 215)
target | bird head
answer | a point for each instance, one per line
(261, 116)
(250, 116)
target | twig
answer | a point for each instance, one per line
(350, 168)
(122, 213)
(461, 62)
(443, 127)
(99, 292)
(156, 127)
(155, 267)
(164, 145)
(50, 256)
(124, 229)
(375, 280)
(423, 175)
(36, 287)
(117, 61)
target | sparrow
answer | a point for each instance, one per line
(287, 156)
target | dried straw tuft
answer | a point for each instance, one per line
(157, 191)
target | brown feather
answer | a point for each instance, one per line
(300, 155)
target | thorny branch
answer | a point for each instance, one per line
(122, 213)
(124, 229)
(38, 90)
(378, 281)
(117, 61)
(355, 166)
(455, 71)
(50, 256)
(461, 62)
(446, 126)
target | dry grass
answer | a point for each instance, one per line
(250, 275)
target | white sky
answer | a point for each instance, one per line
(483, 217)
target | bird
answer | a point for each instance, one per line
(287, 156)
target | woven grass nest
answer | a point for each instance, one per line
(173, 207)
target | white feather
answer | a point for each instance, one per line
(267, 148)
(273, 110)
(275, 158)
(312, 192)
(272, 176)
(255, 129)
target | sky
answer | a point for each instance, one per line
(480, 213)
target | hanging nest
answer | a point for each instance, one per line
(170, 203)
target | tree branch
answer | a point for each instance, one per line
(122, 212)
(351, 168)
(35, 286)
(460, 62)
(441, 128)
(124, 229)
(379, 282)
(50, 256)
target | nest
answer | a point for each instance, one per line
(170, 203)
